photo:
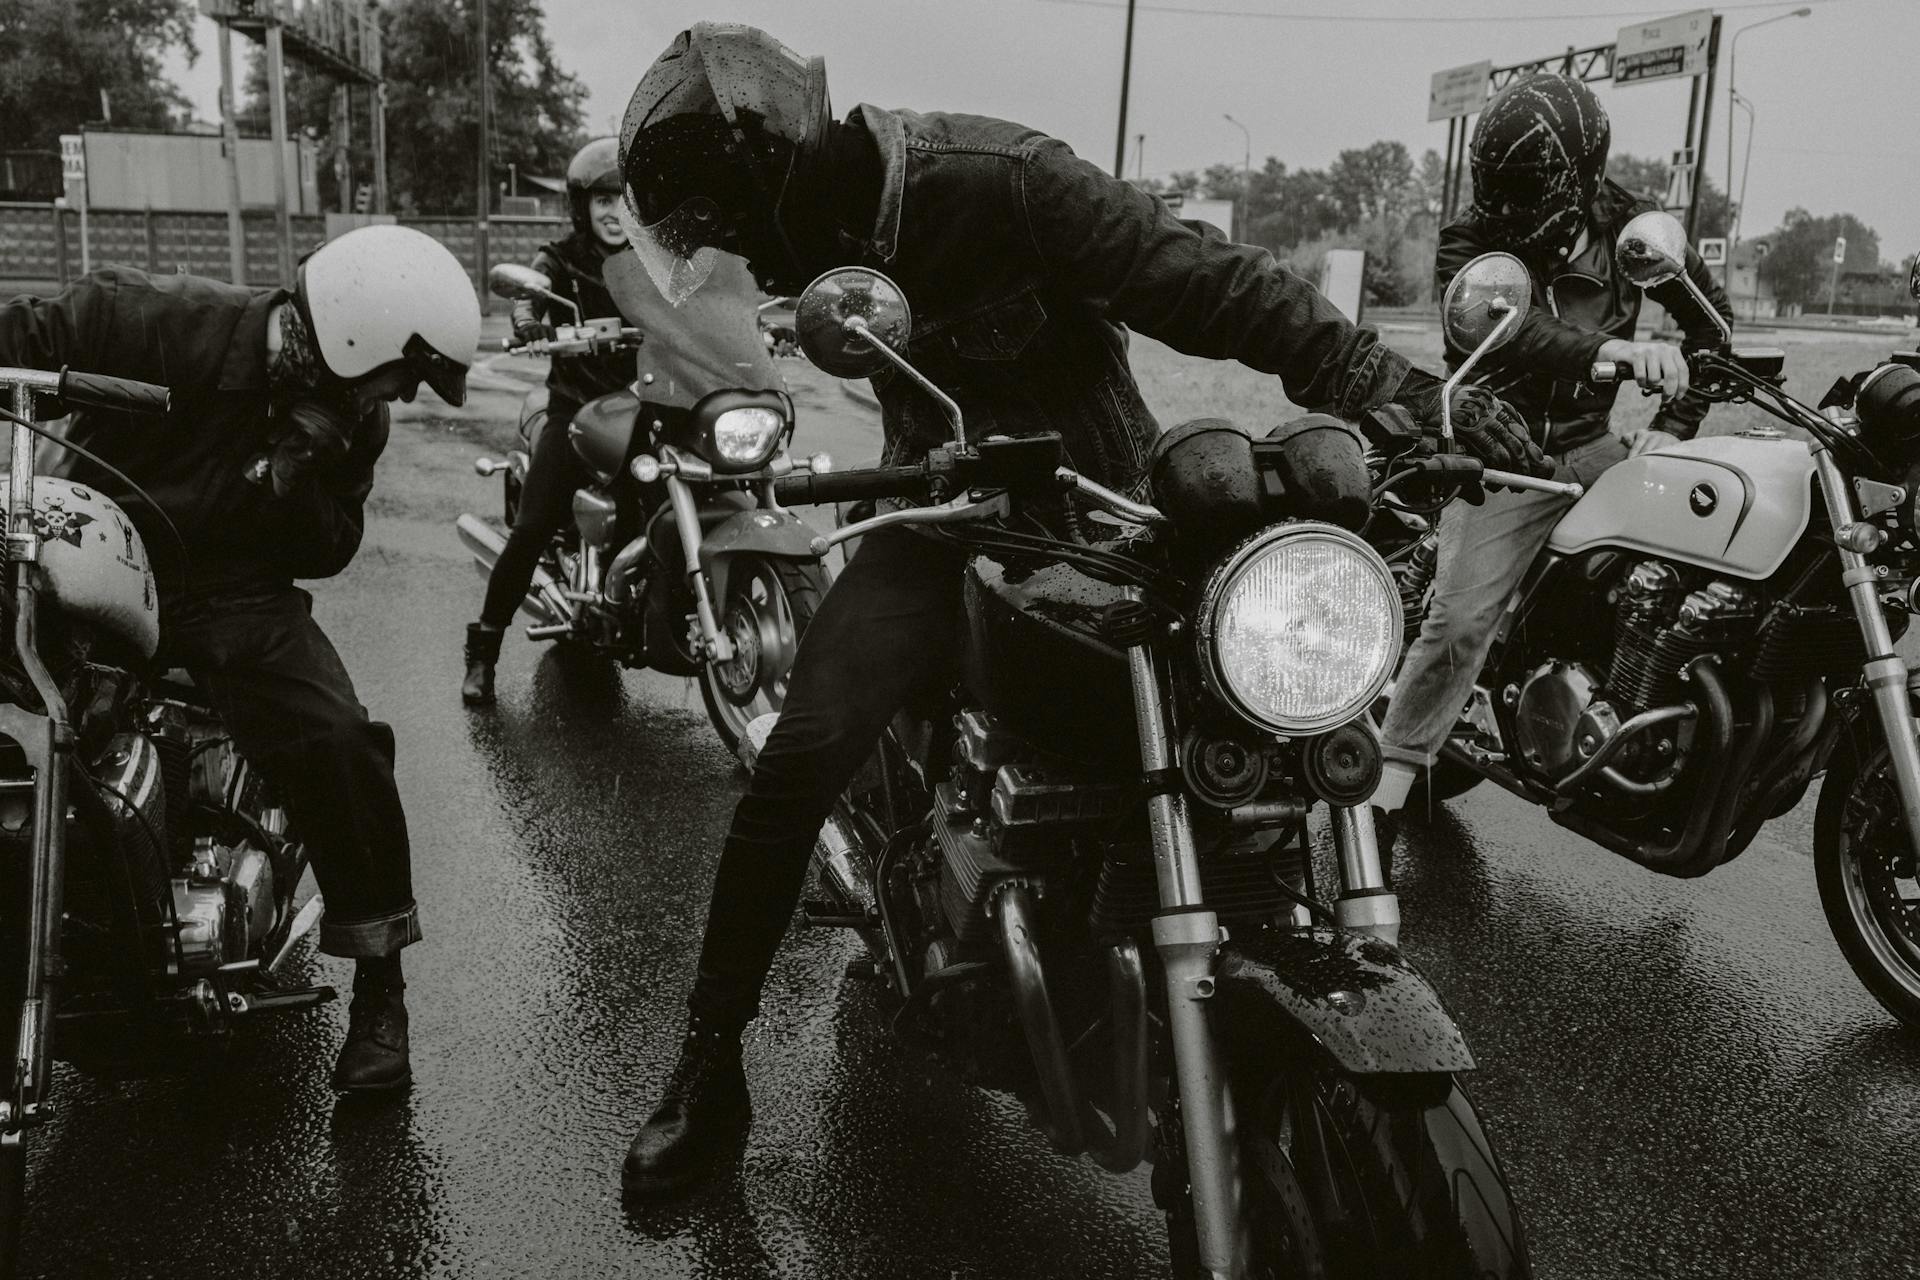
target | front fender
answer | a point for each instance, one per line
(1350, 993)
(778, 534)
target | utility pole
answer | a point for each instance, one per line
(1126, 75)
(277, 101)
(482, 194)
(1246, 179)
(230, 143)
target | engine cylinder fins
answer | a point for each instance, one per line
(1660, 628)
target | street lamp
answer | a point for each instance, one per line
(1246, 178)
(1735, 96)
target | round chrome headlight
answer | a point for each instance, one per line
(1299, 628)
(743, 439)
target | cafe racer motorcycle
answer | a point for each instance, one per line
(1711, 628)
(677, 559)
(147, 876)
(1087, 877)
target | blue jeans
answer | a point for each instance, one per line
(1484, 553)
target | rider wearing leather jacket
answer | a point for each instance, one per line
(574, 265)
(1539, 158)
(259, 475)
(1022, 262)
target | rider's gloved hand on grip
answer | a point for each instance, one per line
(315, 435)
(1484, 424)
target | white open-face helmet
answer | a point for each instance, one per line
(383, 296)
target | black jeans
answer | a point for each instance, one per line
(545, 503)
(890, 629)
(274, 677)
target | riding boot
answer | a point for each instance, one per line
(703, 1110)
(483, 650)
(374, 1058)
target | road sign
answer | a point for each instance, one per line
(1458, 91)
(73, 157)
(1713, 251)
(1839, 249)
(1663, 50)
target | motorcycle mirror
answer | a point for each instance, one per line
(1652, 249)
(846, 315)
(1484, 305)
(1485, 302)
(509, 280)
(1913, 277)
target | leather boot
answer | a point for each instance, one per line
(705, 1108)
(483, 650)
(374, 1058)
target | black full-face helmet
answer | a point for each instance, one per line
(1539, 155)
(594, 170)
(712, 138)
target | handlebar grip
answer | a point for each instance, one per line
(1605, 371)
(850, 486)
(98, 391)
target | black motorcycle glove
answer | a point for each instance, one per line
(312, 434)
(1484, 424)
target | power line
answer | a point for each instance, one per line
(1408, 19)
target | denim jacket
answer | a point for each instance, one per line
(1022, 262)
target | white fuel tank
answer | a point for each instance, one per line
(96, 565)
(1733, 504)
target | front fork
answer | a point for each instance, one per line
(1187, 935)
(717, 647)
(47, 741)
(1885, 670)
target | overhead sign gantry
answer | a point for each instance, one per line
(1685, 45)
(340, 39)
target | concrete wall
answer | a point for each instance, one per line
(40, 245)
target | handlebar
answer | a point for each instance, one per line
(98, 391)
(1610, 371)
(851, 486)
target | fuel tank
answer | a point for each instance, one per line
(602, 432)
(1037, 661)
(96, 565)
(1732, 504)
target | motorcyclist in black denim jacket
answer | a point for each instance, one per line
(1023, 263)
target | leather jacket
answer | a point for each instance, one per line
(1577, 306)
(1023, 262)
(575, 266)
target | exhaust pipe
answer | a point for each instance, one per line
(544, 601)
(1021, 949)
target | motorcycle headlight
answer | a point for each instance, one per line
(746, 438)
(1299, 628)
(737, 431)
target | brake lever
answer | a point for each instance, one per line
(962, 510)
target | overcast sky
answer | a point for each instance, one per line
(1836, 93)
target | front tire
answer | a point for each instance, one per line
(1864, 865)
(1348, 1177)
(770, 603)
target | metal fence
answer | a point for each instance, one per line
(40, 245)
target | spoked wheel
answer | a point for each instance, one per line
(1864, 864)
(768, 607)
(1349, 1177)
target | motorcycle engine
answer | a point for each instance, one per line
(1660, 626)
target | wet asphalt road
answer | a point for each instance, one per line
(1684, 1078)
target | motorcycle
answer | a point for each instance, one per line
(1088, 878)
(1752, 588)
(147, 887)
(678, 558)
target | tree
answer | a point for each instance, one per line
(1799, 261)
(432, 117)
(57, 57)
(1372, 182)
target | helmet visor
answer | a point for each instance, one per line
(447, 377)
(680, 250)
